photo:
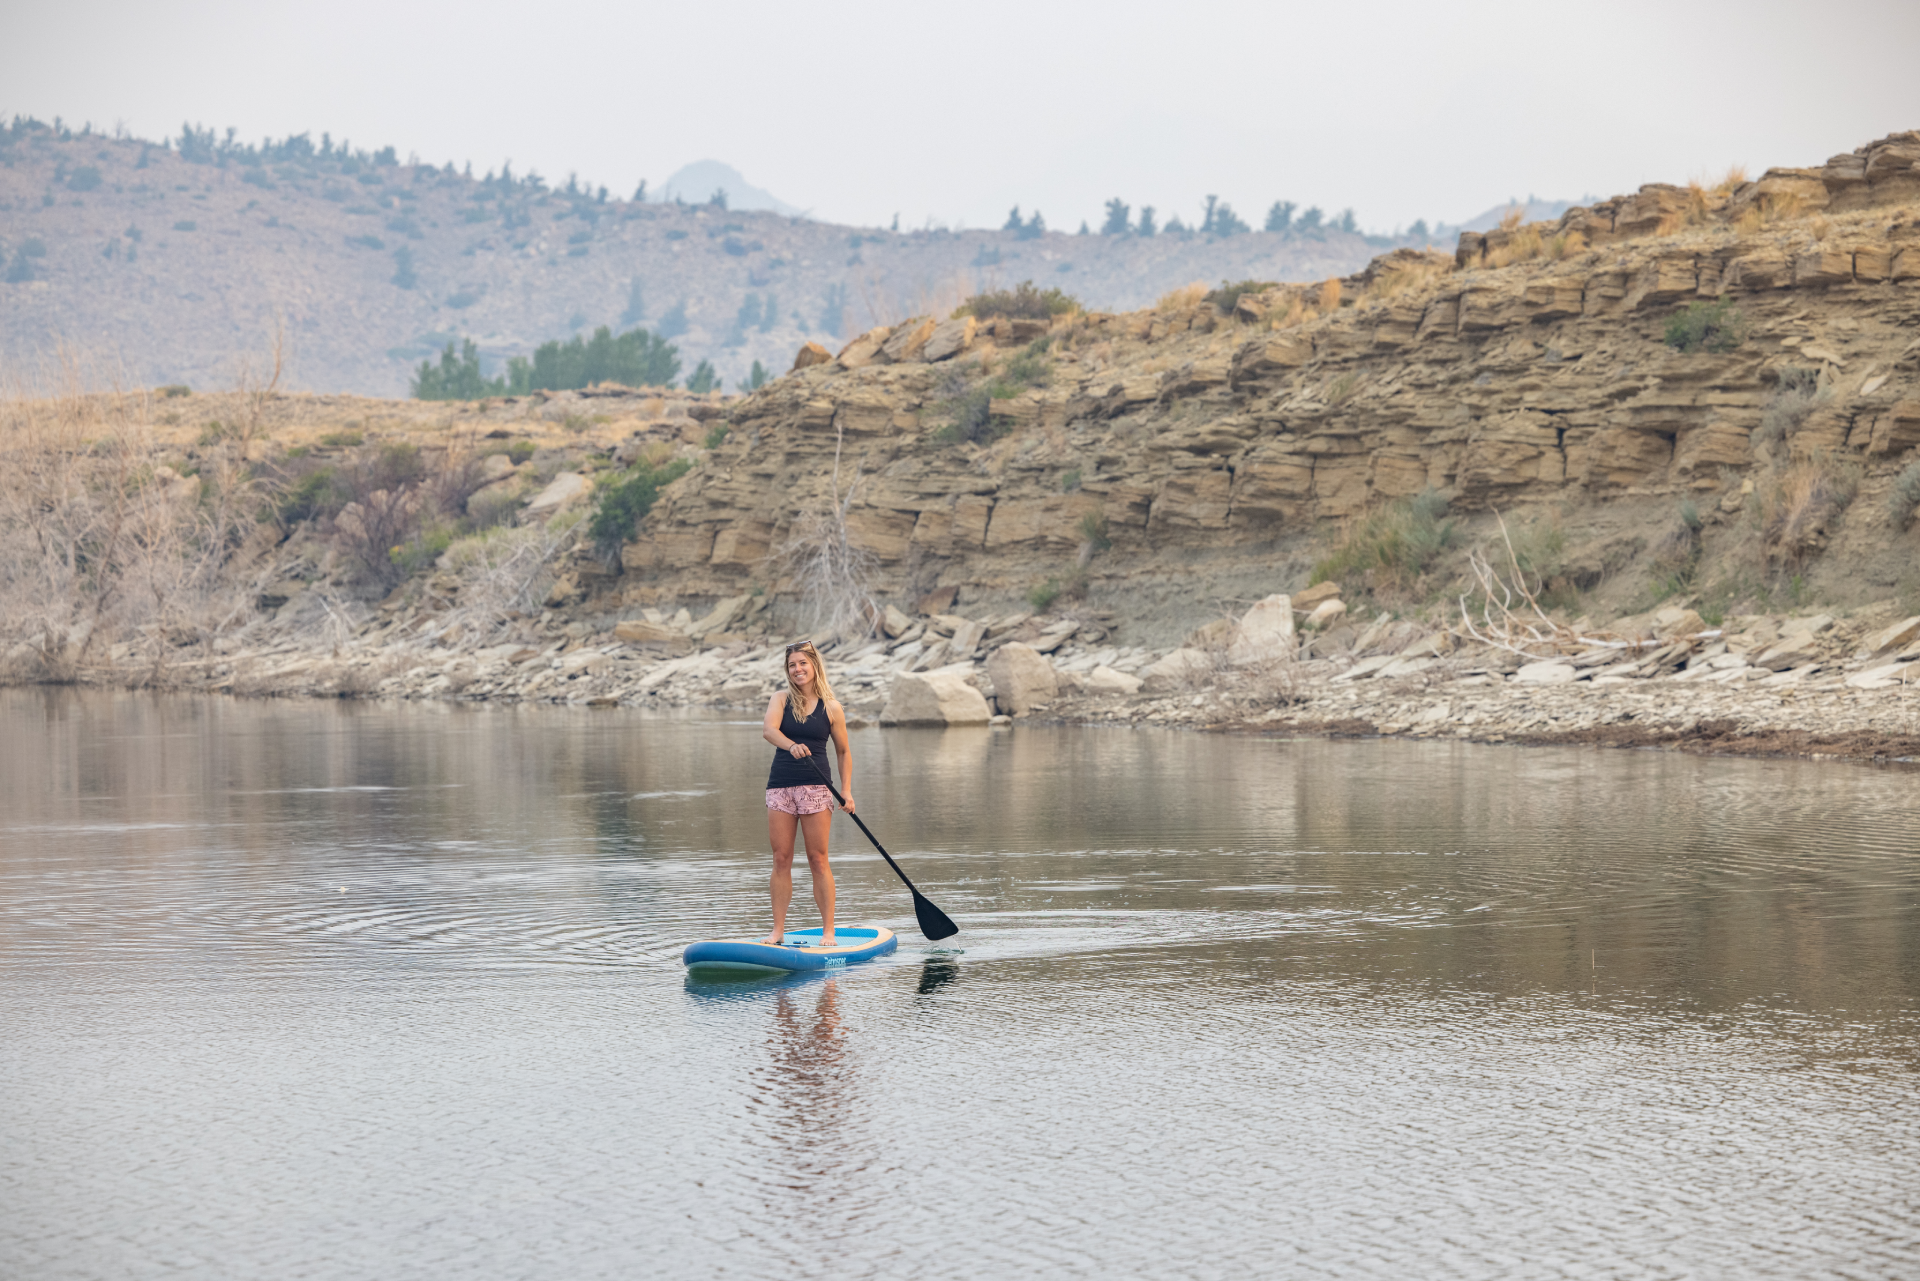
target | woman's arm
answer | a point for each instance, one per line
(837, 727)
(770, 729)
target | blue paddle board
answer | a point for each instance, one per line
(801, 951)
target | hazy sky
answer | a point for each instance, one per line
(859, 111)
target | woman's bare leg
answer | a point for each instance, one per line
(816, 828)
(780, 829)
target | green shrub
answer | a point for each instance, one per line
(1044, 594)
(1023, 302)
(1227, 296)
(1706, 326)
(455, 377)
(317, 494)
(422, 550)
(1093, 532)
(1070, 480)
(1392, 546)
(1030, 367)
(343, 439)
(173, 391)
(1904, 497)
(519, 451)
(635, 358)
(716, 435)
(619, 506)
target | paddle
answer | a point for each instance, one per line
(934, 923)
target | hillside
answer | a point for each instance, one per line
(173, 264)
(1662, 452)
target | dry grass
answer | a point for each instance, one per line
(1183, 298)
(1297, 313)
(1329, 296)
(1731, 181)
(1769, 211)
(1510, 220)
(1406, 279)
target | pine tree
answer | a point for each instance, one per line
(1116, 223)
(1280, 216)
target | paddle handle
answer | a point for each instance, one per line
(863, 827)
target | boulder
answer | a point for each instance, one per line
(1550, 672)
(566, 489)
(907, 341)
(1891, 638)
(1326, 612)
(894, 623)
(966, 637)
(638, 631)
(1886, 676)
(1022, 678)
(810, 355)
(722, 615)
(934, 698)
(1265, 633)
(862, 350)
(1807, 626)
(1182, 669)
(1105, 680)
(1794, 650)
(949, 339)
(1308, 597)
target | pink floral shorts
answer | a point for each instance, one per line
(810, 799)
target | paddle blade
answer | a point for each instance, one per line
(934, 923)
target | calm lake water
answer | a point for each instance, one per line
(340, 990)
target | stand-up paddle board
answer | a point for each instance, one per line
(801, 951)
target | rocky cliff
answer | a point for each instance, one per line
(1709, 358)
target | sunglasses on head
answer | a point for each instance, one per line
(797, 646)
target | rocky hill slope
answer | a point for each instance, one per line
(1717, 390)
(171, 265)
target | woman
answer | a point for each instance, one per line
(798, 723)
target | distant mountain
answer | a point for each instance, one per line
(1532, 209)
(168, 263)
(696, 184)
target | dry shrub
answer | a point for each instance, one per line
(1329, 296)
(832, 573)
(98, 539)
(1510, 220)
(1796, 504)
(1183, 298)
(506, 570)
(1731, 181)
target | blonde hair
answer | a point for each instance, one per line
(796, 696)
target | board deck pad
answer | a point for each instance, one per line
(800, 951)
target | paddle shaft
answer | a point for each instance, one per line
(824, 778)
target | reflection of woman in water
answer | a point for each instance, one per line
(798, 723)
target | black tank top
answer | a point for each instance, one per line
(814, 732)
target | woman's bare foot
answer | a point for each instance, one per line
(826, 939)
(776, 939)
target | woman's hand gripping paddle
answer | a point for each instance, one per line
(934, 923)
